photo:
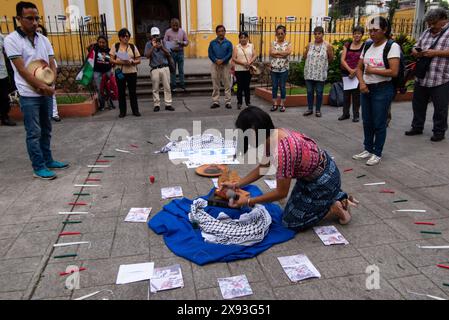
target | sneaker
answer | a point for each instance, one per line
(122, 115)
(239, 107)
(44, 174)
(362, 156)
(374, 160)
(57, 165)
(215, 106)
(157, 109)
(56, 119)
(137, 114)
(356, 119)
(228, 106)
(169, 108)
(308, 113)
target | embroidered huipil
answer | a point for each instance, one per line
(316, 63)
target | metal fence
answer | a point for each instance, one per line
(300, 31)
(70, 37)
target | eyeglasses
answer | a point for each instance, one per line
(31, 18)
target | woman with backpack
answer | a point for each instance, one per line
(375, 72)
(126, 57)
(318, 55)
(349, 61)
(102, 68)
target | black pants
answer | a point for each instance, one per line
(4, 99)
(243, 86)
(130, 80)
(440, 99)
(354, 97)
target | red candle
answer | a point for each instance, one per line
(152, 179)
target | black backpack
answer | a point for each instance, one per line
(399, 82)
(336, 95)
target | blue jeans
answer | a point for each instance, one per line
(98, 77)
(279, 79)
(37, 112)
(375, 105)
(178, 58)
(312, 87)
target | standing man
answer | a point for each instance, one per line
(176, 39)
(23, 47)
(220, 53)
(435, 84)
(160, 72)
(4, 87)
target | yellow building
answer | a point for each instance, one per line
(198, 17)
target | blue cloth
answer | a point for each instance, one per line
(310, 201)
(37, 112)
(187, 242)
(220, 51)
(279, 80)
(375, 105)
(312, 87)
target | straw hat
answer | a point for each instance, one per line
(41, 70)
(211, 170)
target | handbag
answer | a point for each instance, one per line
(119, 74)
(255, 71)
(423, 64)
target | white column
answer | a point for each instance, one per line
(319, 9)
(204, 13)
(122, 14)
(182, 9)
(107, 7)
(75, 11)
(249, 8)
(189, 18)
(52, 9)
(230, 15)
(129, 17)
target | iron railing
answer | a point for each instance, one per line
(70, 37)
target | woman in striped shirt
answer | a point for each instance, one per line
(317, 194)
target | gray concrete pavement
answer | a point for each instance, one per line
(415, 168)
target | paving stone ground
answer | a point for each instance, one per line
(416, 168)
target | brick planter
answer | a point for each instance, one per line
(76, 110)
(300, 100)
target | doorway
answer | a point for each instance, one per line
(155, 13)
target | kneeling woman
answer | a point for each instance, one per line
(317, 194)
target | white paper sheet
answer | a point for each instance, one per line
(330, 235)
(234, 287)
(124, 56)
(135, 272)
(298, 268)
(215, 182)
(272, 184)
(350, 84)
(166, 278)
(171, 192)
(138, 215)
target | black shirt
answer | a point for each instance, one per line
(102, 60)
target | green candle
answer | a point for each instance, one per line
(66, 256)
(431, 232)
(72, 222)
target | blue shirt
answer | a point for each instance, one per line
(158, 57)
(220, 51)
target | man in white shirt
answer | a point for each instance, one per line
(24, 46)
(4, 88)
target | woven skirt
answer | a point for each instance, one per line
(310, 201)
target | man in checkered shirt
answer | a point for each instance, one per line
(435, 85)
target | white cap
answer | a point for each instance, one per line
(155, 31)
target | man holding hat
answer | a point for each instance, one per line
(34, 73)
(160, 72)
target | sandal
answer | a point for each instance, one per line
(282, 109)
(274, 108)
